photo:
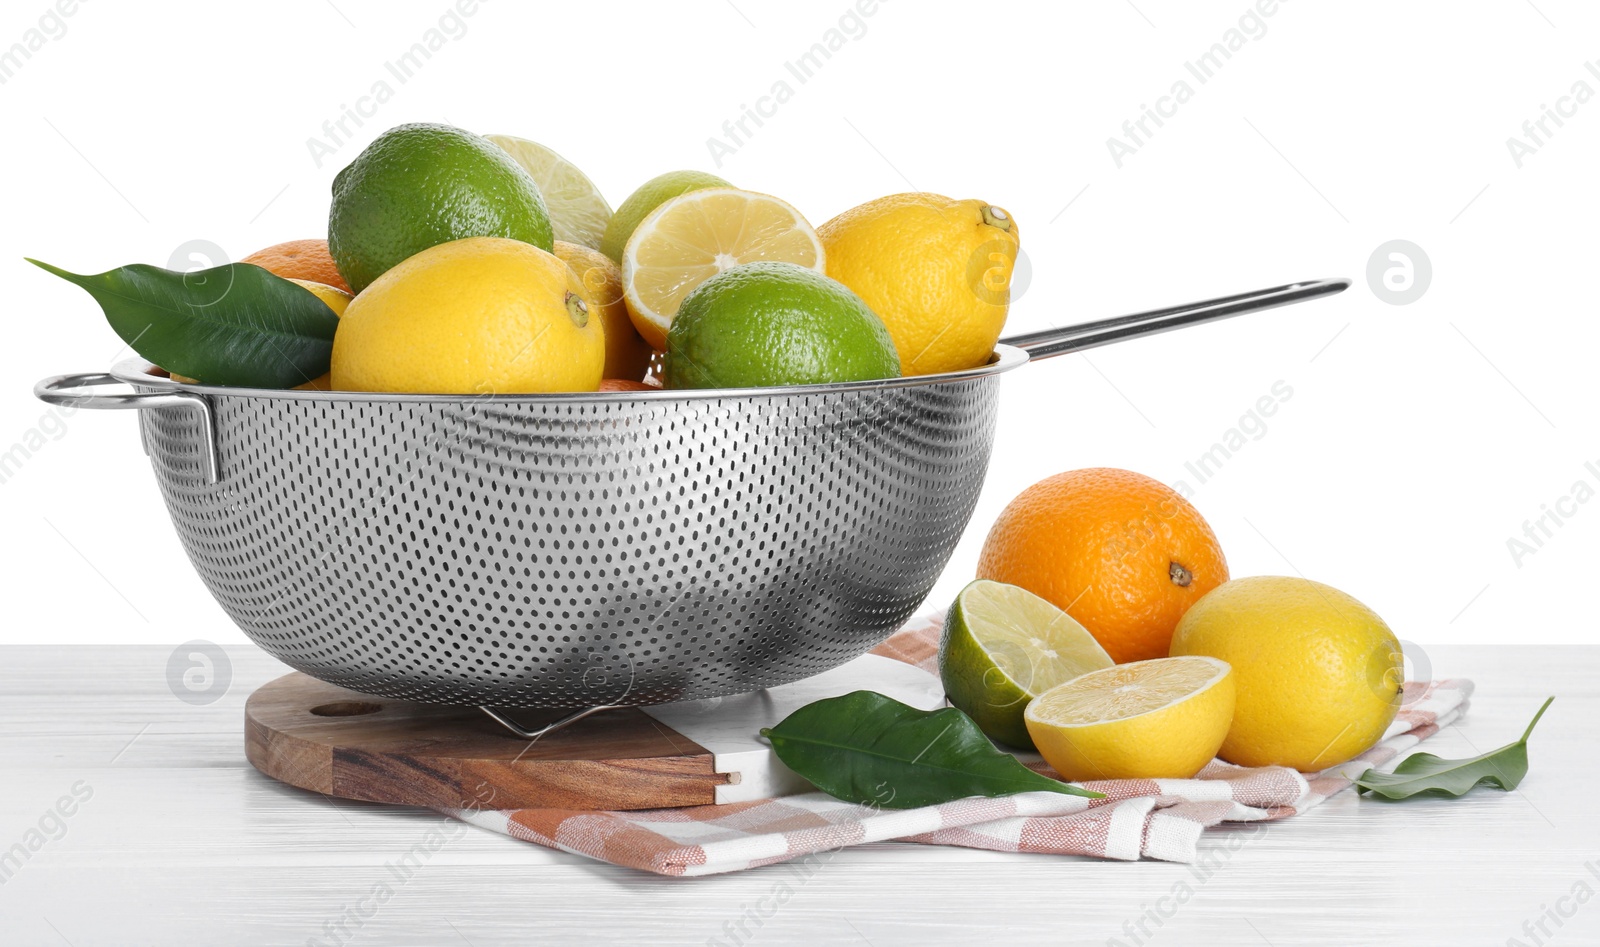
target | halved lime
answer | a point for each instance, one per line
(1004, 646)
(578, 211)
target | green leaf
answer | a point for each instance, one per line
(235, 324)
(1426, 773)
(873, 750)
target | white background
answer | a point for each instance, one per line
(1418, 439)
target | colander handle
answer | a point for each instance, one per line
(65, 390)
(1048, 343)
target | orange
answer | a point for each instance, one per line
(623, 384)
(300, 259)
(1123, 554)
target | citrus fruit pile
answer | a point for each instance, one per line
(456, 263)
(1103, 630)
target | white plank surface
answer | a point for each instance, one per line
(183, 843)
(730, 727)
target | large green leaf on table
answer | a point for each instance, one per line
(873, 750)
(1426, 773)
(235, 324)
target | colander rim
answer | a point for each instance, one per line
(136, 371)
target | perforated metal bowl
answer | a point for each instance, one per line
(581, 550)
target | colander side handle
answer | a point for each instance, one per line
(1049, 343)
(65, 390)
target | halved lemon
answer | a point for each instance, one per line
(1159, 719)
(1003, 646)
(697, 235)
(578, 211)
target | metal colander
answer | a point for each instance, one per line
(582, 550)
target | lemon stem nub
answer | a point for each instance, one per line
(995, 217)
(1180, 576)
(577, 309)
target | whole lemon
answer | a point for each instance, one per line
(627, 353)
(484, 315)
(1319, 673)
(936, 270)
(338, 300)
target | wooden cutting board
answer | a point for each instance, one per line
(316, 736)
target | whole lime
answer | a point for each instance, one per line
(772, 323)
(650, 195)
(421, 185)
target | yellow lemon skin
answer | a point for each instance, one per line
(337, 300)
(1319, 673)
(1173, 742)
(627, 353)
(936, 271)
(483, 316)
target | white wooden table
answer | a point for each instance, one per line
(181, 842)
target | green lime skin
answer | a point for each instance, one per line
(977, 688)
(424, 184)
(650, 195)
(1002, 646)
(768, 324)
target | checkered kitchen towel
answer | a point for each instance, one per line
(1139, 818)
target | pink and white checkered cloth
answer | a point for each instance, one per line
(1139, 818)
